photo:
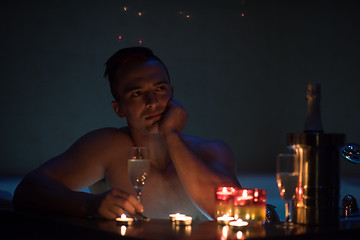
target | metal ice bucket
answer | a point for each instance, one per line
(317, 196)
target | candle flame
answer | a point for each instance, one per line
(300, 191)
(123, 216)
(245, 194)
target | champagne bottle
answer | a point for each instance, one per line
(313, 123)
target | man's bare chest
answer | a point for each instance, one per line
(163, 193)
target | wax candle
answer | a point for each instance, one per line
(250, 205)
(224, 219)
(224, 193)
(224, 201)
(183, 220)
(238, 223)
(124, 220)
(175, 215)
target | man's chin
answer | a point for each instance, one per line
(153, 129)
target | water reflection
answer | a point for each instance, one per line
(224, 232)
(182, 230)
(123, 230)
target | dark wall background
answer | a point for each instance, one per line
(243, 78)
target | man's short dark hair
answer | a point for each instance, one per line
(123, 60)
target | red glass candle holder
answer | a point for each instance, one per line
(224, 199)
(250, 205)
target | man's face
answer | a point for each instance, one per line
(144, 92)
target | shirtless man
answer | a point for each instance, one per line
(184, 171)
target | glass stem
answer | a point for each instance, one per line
(288, 208)
(138, 194)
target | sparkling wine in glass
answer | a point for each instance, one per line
(138, 168)
(287, 177)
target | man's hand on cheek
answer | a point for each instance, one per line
(174, 118)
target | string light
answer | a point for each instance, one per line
(183, 14)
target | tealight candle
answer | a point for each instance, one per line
(224, 201)
(224, 219)
(224, 193)
(175, 215)
(250, 205)
(238, 223)
(124, 220)
(183, 220)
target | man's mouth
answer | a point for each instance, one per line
(156, 116)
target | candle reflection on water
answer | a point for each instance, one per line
(183, 230)
(123, 230)
(239, 235)
(224, 232)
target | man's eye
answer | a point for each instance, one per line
(162, 88)
(136, 94)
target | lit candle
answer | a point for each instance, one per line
(175, 215)
(224, 193)
(224, 201)
(250, 205)
(124, 220)
(224, 219)
(183, 220)
(238, 223)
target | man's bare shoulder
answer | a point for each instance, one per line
(108, 134)
(112, 141)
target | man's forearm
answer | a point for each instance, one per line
(198, 178)
(38, 192)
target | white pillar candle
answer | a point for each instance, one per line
(224, 219)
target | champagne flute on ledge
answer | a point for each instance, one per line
(138, 168)
(287, 177)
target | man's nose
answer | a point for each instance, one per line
(151, 99)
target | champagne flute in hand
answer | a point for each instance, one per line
(138, 168)
(287, 177)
